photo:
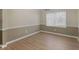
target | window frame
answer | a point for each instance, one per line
(56, 25)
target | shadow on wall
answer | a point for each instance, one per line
(0, 37)
(0, 26)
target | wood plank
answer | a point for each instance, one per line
(44, 41)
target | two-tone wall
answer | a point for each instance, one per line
(19, 22)
(71, 23)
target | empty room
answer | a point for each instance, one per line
(39, 29)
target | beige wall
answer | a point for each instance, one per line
(78, 18)
(19, 22)
(0, 19)
(28, 17)
(20, 17)
(32, 17)
(78, 25)
(43, 17)
(71, 17)
(71, 21)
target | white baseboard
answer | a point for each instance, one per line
(34, 34)
(59, 34)
(3, 46)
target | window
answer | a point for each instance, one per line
(57, 19)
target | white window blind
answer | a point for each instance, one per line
(57, 19)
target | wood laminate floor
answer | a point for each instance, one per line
(44, 41)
